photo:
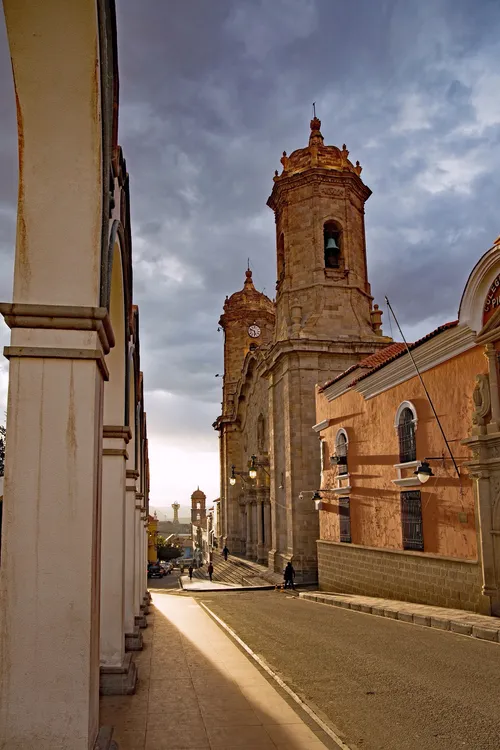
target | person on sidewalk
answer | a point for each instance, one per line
(225, 552)
(210, 570)
(190, 571)
(289, 575)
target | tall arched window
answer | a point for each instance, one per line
(341, 451)
(332, 240)
(406, 420)
(341, 444)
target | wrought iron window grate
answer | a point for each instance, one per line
(411, 520)
(406, 435)
(341, 451)
(345, 519)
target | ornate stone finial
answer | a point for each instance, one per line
(284, 160)
(358, 169)
(343, 155)
(248, 277)
(315, 139)
(376, 320)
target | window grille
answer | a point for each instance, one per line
(345, 519)
(411, 520)
(341, 451)
(406, 435)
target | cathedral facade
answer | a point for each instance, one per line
(275, 352)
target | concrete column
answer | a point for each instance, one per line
(118, 671)
(248, 550)
(260, 544)
(139, 617)
(267, 526)
(133, 637)
(49, 629)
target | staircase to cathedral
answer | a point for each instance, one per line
(236, 572)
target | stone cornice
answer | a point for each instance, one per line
(348, 345)
(117, 431)
(132, 474)
(447, 345)
(313, 175)
(61, 317)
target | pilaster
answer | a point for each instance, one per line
(484, 469)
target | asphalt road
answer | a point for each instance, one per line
(383, 684)
(170, 581)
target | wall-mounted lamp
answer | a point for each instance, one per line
(424, 472)
(232, 478)
(252, 468)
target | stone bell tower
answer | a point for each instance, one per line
(318, 201)
(324, 324)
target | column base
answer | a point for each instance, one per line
(147, 597)
(133, 641)
(144, 609)
(120, 680)
(104, 740)
(140, 621)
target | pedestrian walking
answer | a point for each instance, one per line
(190, 571)
(225, 552)
(289, 575)
(210, 570)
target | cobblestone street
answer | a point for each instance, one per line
(382, 684)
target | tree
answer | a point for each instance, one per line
(166, 550)
(2, 449)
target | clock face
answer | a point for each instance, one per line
(254, 331)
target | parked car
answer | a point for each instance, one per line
(155, 571)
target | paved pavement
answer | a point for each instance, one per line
(456, 620)
(383, 684)
(198, 691)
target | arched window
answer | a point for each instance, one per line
(341, 451)
(406, 420)
(261, 433)
(281, 257)
(332, 241)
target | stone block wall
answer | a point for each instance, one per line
(402, 575)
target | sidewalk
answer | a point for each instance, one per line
(198, 691)
(454, 620)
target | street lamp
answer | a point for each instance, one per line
(232, 478)
(424, 472)
(252, 473)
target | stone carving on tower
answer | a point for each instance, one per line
(321, 323)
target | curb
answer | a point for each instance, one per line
(426, 619)
(304, 706)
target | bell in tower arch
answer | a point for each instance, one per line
(332, 248)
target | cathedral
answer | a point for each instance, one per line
(322, 322)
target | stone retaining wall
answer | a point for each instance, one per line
(402, 575)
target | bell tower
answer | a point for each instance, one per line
(318, 202)
(247, 322)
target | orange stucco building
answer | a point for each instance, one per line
(384, 532)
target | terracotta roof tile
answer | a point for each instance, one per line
(402, 351)
(379, 359)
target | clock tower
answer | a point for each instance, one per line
(247, 322)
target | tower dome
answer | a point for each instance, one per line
(198, 495)
(247, 298)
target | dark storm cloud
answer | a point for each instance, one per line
(212, 91)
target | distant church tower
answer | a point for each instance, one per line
(175, 507)
(198, 509)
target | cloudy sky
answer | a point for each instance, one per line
(211, 93)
